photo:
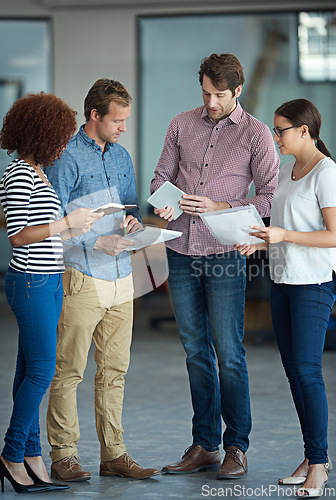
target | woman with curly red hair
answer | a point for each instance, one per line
(38, 127)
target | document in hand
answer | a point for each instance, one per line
(232, 226)
(167, 195)
(150, 235)
(113, 208)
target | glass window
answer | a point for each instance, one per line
(317, 46)
(25, 66)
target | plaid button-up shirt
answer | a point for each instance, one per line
(220, 161)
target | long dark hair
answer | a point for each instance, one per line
(303, 112)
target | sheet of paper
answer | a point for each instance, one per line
(232, 226)
(167, 195)
(113, 208)
(150, 235)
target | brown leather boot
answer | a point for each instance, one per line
(125, 466)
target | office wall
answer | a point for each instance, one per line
(92, 42)
(171, 48)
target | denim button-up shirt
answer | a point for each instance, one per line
(85, 176)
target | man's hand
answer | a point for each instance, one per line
(131, 224)
(248, 249)
(166, 213)
(112, 244)
(192, 204)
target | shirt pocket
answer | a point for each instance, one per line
(91, 183)
(305, 197)
(123, 183)
(188, 176)
(190, 166)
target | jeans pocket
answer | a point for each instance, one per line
(73, 281)
(10, 293)
(60, 282)
(36, 280)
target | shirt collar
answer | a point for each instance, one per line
(235, 116)
(92, 142)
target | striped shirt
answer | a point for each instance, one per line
(28, 201)
(219, 161)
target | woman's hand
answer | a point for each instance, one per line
(83, 218)
(269, 234)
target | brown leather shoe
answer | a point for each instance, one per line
(125, 466)
(69, 469)
(234, 465)
(195, 458)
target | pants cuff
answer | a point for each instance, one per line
(111, 453)
(57, 455)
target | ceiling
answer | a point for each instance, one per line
(226, 4)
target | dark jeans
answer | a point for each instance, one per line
(36, 301)
(300, 315)
(208, 295)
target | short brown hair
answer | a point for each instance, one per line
(38, 125)
(100, 95)
(224, 71)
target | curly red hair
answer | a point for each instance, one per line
(38, 126)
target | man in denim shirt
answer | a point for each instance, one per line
(98, 290)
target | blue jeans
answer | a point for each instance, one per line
(36, 301)
(300, 315)
(208, 295)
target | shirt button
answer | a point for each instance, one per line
(211, 146)
(206, 165)
(201, 183)
(216, 128)
(193, 222)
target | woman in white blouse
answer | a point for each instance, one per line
(38, 127)
(302, 254)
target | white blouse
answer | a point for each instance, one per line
(297, 206)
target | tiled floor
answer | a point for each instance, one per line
(157, 416)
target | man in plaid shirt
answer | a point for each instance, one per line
(214, 153)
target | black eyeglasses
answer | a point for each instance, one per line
(280, 131)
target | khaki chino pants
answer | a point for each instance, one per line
(101, 311)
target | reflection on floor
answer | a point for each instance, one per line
(157, 417)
